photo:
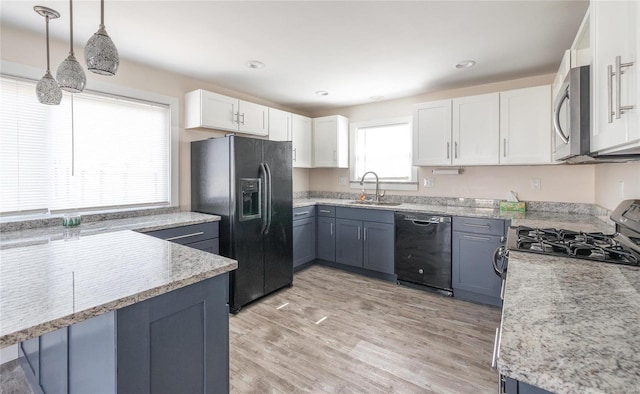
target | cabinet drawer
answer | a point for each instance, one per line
(303, 212)
(371, 215)
(326, 210)
(188, 234)
(479, 225)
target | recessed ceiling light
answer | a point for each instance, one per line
(255, 64)
(376, 98)
(466, 64)
(322, 93)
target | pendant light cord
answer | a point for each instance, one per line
(73, 141)
(47, 23)
(102, 14)
(71, 26)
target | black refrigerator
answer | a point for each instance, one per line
(247, 182)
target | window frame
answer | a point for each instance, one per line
(369, 183)
(33, 74)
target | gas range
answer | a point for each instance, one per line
(621, 247)
(608, 248)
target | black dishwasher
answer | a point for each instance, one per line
(423, 251)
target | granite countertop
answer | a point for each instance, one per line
(571, 326)
(50, 279)
(584, 222)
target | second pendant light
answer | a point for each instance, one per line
(70, 75)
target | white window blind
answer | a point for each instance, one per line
(383, 147)
(92, 151)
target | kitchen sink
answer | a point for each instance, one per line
(385, 203)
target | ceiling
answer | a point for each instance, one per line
(352, 49)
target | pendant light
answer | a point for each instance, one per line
(100, 53)
(70, 75)
(47, 89)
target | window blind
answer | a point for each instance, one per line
(90, 152)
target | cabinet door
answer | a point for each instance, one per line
(218, 111)
(525, 126)
(379, 247)
(209, 245)
(614, 32)
(177, 342)
(253, 118)
(476, 129)
(54, 357)
(432, 133)
(304, 241)
(349, 242)
(326, 245)
(330, 142)
(472, 266)
(301, 141)
(279, 125)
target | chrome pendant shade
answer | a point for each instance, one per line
(100, 53)
(47, 89)
(70, 74)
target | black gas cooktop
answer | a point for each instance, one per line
(609, 248)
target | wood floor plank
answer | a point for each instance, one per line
(345, 333)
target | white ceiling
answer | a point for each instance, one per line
(352, 49)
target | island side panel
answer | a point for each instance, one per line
(176, 342)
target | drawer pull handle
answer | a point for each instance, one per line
(325, 211)
(184, 236)
(301, 214)
(494, 358)
(477, 225)
(331, 229)
(478, 238)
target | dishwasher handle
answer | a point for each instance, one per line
(428, 221)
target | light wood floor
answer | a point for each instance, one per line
(377, 338)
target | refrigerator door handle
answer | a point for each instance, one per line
(263, 171)
(269, 196)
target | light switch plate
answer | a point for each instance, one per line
(342, 181)
(428, 182)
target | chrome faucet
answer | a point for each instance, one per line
(378, 194)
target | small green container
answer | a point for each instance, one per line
(71, 220)
(512, 206)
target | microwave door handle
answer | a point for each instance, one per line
(556, 116)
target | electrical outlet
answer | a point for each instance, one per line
(342, 181)
(536, 184)
(428, 182)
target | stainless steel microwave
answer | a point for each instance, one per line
(571, 116)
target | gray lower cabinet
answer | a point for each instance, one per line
(474, 243)
(326, 233)
(202, 236)
(365, 239)
(171, 343)
(326, 236)
(512, 386)
(304, 235)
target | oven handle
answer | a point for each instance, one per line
(499, 252)
(556, 116)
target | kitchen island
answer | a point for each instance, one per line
(103, 296)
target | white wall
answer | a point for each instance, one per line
(616, 182)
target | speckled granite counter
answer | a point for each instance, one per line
(535, 218)
(571, 326)
(50, 279)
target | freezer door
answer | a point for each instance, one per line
(247, 282)
(278, 241)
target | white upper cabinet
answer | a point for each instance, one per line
(614, 80)
(216, 111)
(432, 133)
(331, 142)
(476, 129)
(279, 125)
(301, 141)
(525, 126)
